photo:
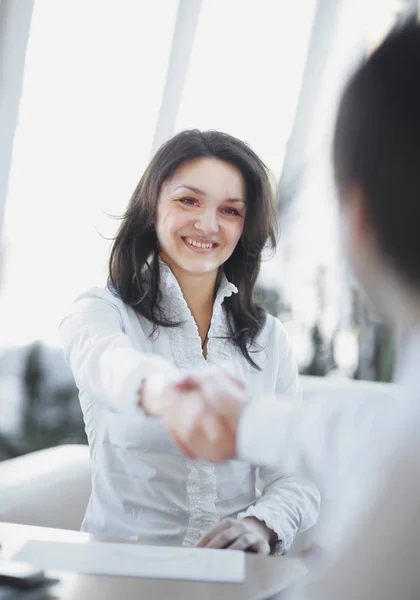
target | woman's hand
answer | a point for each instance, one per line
(157, 392)
(246, 534)
(204, 412)
(222, 393)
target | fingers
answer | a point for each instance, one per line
(197, 431)
(220, 528)
(197, 383)
(222, 397)
(202, 413)
(222, 393)
(250, 541)
(214, 429)
(224, 539)
(188, 384)
(223, 534)
(234, 535)
(211, 439)
(184, 449)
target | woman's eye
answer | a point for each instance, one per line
(188, 201)
(232, 211)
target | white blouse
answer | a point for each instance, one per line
(143, 487)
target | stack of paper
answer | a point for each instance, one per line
(99, 558)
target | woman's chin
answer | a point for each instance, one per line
(200, 265)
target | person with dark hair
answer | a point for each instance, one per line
(179, 299)
(370, 448)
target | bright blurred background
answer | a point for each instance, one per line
(90, 89)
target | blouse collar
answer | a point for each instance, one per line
(169, 282)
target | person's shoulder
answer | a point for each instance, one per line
(100, 293)
(273, 332)
(96, 298)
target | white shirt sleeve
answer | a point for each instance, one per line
(327, 436)
(380, 561)
(102, 357)
(373, 532)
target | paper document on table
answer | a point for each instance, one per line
(106, 558)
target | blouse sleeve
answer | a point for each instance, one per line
(101, 355)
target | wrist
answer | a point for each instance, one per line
(268, 534)
(151, 394)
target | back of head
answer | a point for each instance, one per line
(377, 146)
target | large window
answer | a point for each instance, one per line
(93, 88)
(246, 70)
(94, 77)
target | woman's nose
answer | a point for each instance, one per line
(208, 222)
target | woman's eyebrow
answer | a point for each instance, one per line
(236, 200)
(203, 193)
(191, 188)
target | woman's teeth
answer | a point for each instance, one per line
(199, 244)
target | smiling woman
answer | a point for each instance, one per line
(179, 298)
(192, 189)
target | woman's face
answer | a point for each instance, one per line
(200, 215)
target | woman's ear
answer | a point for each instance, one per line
(355, 212)
(358, 237)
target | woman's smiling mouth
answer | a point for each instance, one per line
(199, 246)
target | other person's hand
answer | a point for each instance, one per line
(204, 415)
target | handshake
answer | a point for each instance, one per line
(201, 410)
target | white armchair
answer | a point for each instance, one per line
(48, 488)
